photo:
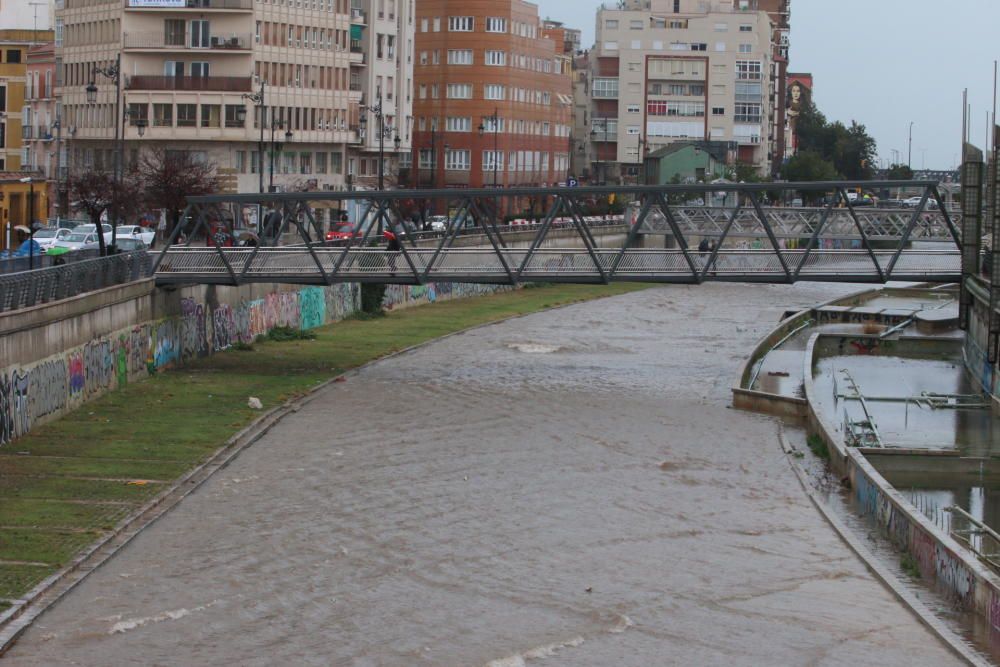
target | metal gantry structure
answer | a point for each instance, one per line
(658, 242)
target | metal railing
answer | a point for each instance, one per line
(684, 255)
(183, 42)
(191, 4)
(31, 288)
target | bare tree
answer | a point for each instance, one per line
(170, 177)
(92, 193)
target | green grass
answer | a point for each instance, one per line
(818, 447)
(66, 483)
(909, 565)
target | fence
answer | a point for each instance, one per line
(31, 288)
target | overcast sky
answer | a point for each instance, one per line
(884, 63)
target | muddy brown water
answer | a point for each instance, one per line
(569, 488)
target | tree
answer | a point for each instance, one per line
(809, 166)
(92, 193)
(900, 172)
(851, 150)
(170, 177)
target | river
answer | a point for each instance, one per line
(570, 485)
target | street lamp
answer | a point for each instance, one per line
(112, 72)
(909, 153)
(494, 121)
(31, 219)
(241, 115)
(276, 123)
(376, 111)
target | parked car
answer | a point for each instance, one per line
(137, 233)
(46, 238)
(341, 233)
(125, 244)
(87, 229)
(77, 240)
(437, 223)
(912, 202)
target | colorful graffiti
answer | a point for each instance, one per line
(51, 386)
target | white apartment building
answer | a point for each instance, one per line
(189, 69)
(679, 70)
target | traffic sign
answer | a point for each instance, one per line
(572, 183)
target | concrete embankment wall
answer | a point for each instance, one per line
(58, 356)
(941, 560)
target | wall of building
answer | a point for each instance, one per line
(76, 350)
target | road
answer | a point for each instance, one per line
(569, 485)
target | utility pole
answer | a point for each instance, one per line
(909, 154)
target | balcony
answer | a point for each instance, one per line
(189, 5)
(357, 57)
(224, 84)
(358, 16)
(144, 41)
(27, 132)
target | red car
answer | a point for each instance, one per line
(342, 232)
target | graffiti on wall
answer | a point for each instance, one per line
(52, 386)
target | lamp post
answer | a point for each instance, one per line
(383, 132)
(112, 72)
(241, 115)
(276, 147)
(495, 122)
(909, 152)
(31, 219)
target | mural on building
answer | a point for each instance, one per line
(50, 387)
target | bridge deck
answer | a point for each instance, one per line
(327, 265)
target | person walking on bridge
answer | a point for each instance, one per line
(393, 248)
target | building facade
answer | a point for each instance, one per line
(193, 73)
(678, 70)
(41, 131)
(493, 100)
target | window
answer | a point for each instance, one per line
(635, 44)
(746, 48)
(437, 24)
(459, 91)
(458, 124)
(200, 34)
(659, 23)
(746, 28)
(459, 56)
(305, 163)
(457, 160)
(493, 91)
(635, 25)
(685, 109)
(496, 24)
(321, 163)
(173, 32)
(605, 88)
(496, 58)
(13, 55)
(198, 69)
(721, 27)
(211, 115)
(423, 57)
(677, 6)
(489, 126)
(232, 115)
(610, 46)
(426, 158)
(720, 47)
(748, 92)
(423, 25)
(492, 160)
(611, 24)
(632, 108)
(747, 113)
(187, 115)
(678, 25)
(460, 23)
(138, 111)
(240, 162)
(748, 70)
(163, 115)
(699, 47)
(718, 111)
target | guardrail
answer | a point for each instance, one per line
(31, 288)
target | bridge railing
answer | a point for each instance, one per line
(32, 288)
(839, 240)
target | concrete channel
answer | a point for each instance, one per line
(571, 485)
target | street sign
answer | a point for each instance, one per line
(572, 183)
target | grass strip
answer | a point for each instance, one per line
(68, 482)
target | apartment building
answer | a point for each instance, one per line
(193, 73)
(569, 38)
(669, 70)
(493, 97)
(41, 131)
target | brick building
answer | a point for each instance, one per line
(493, 97)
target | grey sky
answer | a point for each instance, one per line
(884, 63)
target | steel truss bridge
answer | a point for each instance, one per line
(883, 248)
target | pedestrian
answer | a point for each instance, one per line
(392, 248)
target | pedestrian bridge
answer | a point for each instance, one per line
(834, 243)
